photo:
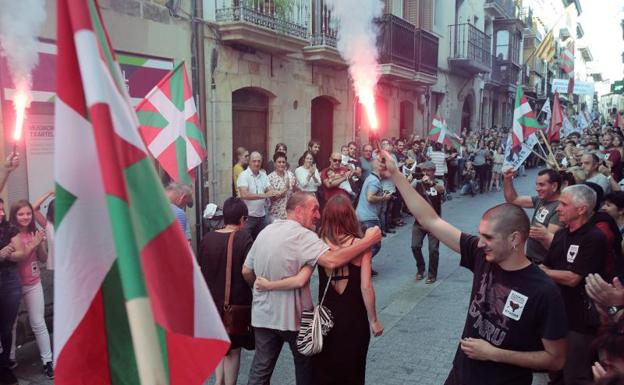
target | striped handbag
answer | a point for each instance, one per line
(314, 325)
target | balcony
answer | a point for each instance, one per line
(470, 49)
(505, 9)
(322, 47)
(273, 26)
(505, 75)
(407, 53)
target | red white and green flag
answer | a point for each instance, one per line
(441, 134)
(170, 126)
(130, 303)
(524, 122)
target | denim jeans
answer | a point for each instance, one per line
(418, 235)
(254, 225)
(10, 297)
(35, 305)
(368, 224)
(269, 344)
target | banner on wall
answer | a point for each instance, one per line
(140, 73)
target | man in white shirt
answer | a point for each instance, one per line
(281, 251)
(254, 188)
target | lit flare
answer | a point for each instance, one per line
(367, 99)
(20, 102)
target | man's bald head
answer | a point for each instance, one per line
(508, 218)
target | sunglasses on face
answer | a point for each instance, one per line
(336, 160)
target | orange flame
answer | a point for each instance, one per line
(20, 102)
(367, 99)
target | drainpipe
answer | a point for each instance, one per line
(199, 89)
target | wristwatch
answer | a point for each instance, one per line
(613, 310)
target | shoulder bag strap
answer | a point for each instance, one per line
(228, 269)
(326, 287)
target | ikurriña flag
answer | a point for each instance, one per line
(170, 126)
(524, 122)
(130, 303)
(441, 134)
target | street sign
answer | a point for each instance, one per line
(617, 87)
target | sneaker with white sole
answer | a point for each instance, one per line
(48, 370)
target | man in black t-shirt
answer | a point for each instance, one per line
(432, 190)
(516, 320)
(575, 252)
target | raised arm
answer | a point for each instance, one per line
(334, 258)
(297, 281)
(422, 211)
(40, 218)
(368, 294)
(11, 163)
(511, 196)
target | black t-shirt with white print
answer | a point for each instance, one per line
(512, 310)
(581, 252)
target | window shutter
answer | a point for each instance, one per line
(410, 11)
(426, 15)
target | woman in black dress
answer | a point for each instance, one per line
(350, 298)
(212, 260)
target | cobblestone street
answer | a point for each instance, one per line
(422, 322)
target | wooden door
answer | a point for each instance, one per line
(323, 129)
(249, 121)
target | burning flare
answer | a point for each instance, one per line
(20, 102)
(367, 99)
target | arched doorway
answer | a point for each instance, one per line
(466, 114)
(322, 128)
(250, 109)
(406, 119)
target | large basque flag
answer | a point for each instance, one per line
(524, 122)
(170, 126)
(120, 251)
(441, 134)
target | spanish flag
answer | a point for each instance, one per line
(546, 50)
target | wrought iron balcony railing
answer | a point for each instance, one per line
(470, 44)
(401, 43)
(324, 28)
(286, 17)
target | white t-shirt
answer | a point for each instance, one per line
(302, 179)
(280, 251)
(255, 184)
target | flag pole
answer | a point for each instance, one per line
(551, 155)
(147, 348)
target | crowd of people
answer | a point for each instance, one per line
(547, 293)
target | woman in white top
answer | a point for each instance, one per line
(308, 177)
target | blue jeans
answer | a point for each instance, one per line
(269, 344)
(10, 297)
(254, 225)
(368, 224)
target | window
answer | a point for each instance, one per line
(502, 45)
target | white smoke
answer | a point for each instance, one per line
(20, 23)
(357, 40)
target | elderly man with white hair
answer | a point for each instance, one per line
(576, 251)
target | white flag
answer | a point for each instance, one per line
(515, 159)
